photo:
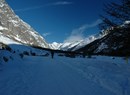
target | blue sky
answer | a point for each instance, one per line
(60, 20)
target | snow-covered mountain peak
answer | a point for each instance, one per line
(55, 45)
(74, 45)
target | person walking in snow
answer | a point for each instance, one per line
(84, 55)
(52, 54)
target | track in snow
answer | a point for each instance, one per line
(45, 76)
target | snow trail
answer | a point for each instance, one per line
(58, 76)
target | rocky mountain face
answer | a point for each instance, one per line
(14, 28)
(116, 42)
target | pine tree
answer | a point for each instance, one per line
(115, 14)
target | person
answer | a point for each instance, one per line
(52, 54)
(84, 55)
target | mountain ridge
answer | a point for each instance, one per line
(11, 26)
(116, 43)
(72, 46)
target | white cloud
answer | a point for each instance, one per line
(78, 34)
(46, 34)
(45, 5)
(74, 38)
(29, 8)
(61, 3)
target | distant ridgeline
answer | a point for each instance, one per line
(115, 43)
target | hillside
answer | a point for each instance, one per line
(116, 43)
(14, 28)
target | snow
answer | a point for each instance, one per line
(1, 5)
(75, 45)
(55, 45)
(101, 47)
(3, 28)
(68, 45)
(99, 75)
(14, 22)
(85, 42)
(127, 22)
(7, 40)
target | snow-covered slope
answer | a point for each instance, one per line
(7, 40)
(72, 46)
(65, 76)
(117, 42)
(55, 45)
(16, 29)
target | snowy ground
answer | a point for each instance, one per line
(65, 76)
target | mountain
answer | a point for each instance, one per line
(72, 46)
(55, 45)
(116, 42)
(14, 28)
